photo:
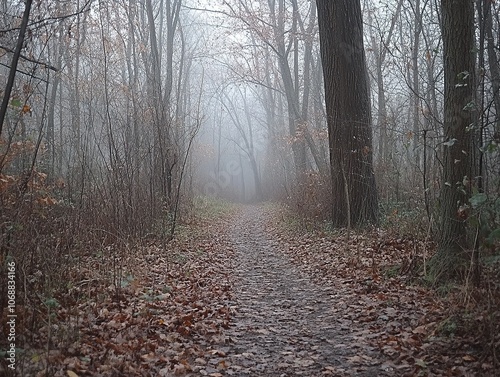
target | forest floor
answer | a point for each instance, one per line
(246, 294)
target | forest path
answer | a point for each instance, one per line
(285, 325)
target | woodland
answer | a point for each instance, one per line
(249, 188)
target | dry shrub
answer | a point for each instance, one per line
(474, 314)
(38, 234)
(311, 198)
(50, 238)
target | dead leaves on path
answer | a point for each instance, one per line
(379, 304)
(153, 311)
(161, 317)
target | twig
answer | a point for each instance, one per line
(425, 245)
(24, 57)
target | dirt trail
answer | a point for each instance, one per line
(284, 324)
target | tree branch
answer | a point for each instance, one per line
(81, 10)
(48, 66)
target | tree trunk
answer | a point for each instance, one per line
(416, 83)
(15, 60)
(347, 99)
(492, 60)
(294, 118)
(380, 51)
(51, 141)
(459, 87)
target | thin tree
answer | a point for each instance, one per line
(348, 108)
(15, 61)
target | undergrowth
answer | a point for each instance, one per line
(66, 259)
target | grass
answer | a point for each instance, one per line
(208, 208)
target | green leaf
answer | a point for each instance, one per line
(492, 147)
(473, 221)
(478, 199)
(36, 358)
(51, 303)
(16, 102)
(494, 236)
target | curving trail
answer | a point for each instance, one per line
(285, 325)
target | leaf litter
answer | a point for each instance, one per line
(159, 314)
(246, 296)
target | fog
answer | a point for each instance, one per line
(166, 100)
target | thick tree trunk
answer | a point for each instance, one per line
(459, 88)
(349, 114)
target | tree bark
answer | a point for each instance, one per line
(347, 99)
(459, 88)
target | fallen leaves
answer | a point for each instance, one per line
(154, 316)
(376, 299)
(172, 312)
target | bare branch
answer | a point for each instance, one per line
(48, 66)
(83, 9)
